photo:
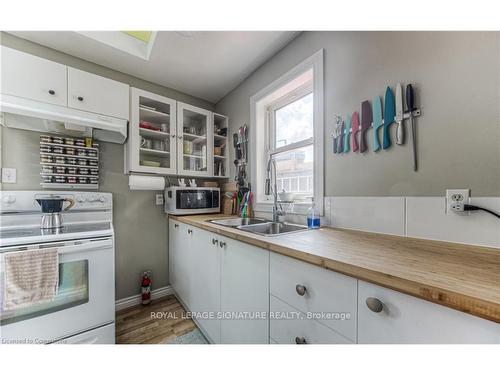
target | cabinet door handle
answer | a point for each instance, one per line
(214, 241)
(52, 92)
(190, 231)
(374, 304)
(222, 244)
(180, 137)
(80, 98)
(173, 135)
(176, 225)
(300, 289)
(300, 340)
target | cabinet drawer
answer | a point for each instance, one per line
(32, 77)
(287, 325)
(406, 320)
(93, 93)
(326, 292)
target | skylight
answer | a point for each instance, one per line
(137, 43)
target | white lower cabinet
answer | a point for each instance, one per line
(244, 293)
(408, 320)
(324, 295)
(205, 293)
(247, 295)
(290, 326)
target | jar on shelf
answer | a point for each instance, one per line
(47, 169)
(60, 170)
(94, 180)
(47, 179)
(57, 140)
(92, 153)
(71, 179)
(57, 150)
(69, 141)
(72, 170)
(71, 161)
(82, 162)
(83, 171)
(60, 160)
(94, 172)
(81, 152)
(70, 151)
(60, 179)
(93, 163)
(80, 142)
(45, 148)
(95, 145)
(46, 159)
(82, 180)
(46, 139)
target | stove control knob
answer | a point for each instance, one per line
(101, 199)
(80, 199)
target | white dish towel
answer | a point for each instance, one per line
(31, 276)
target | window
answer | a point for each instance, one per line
(291, 142)
(287, 117)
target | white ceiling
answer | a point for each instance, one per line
(206, 64)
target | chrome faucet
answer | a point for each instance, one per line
(277, 212)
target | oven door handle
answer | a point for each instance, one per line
(79, 246)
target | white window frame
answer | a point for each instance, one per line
(289, 98)
(259, 133)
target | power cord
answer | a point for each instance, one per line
(470, 207)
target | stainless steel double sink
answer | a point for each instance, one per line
(259, 226)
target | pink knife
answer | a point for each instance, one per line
(355, 131)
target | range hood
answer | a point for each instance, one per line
(29, 114)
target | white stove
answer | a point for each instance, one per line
(83, 310)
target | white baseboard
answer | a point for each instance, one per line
(136, 300)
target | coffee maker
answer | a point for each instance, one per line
(52, 206)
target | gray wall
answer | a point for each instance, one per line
(456, 76)
(140, 226)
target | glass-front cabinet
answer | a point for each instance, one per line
(151, 147)
(195, 140)
(167, 137)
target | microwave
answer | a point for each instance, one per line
(186, 200)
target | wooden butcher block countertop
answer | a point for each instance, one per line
(462, 277)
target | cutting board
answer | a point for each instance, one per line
(377, 122)
(366, 123)
(389, 114)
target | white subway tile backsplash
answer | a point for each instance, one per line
(372, 214)
(426, 218)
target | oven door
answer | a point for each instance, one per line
(85, 299)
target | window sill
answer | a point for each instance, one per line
(299, 208)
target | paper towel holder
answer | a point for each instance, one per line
(145, 182)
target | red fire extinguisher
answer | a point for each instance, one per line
(146, 287)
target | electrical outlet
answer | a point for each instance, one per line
(159, 199)
(9, 175)
(455, 200)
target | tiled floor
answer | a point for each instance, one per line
(136, 325)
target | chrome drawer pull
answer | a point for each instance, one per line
(374, 304)
(300, 289)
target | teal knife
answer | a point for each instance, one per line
(347, 145)
(377, 121)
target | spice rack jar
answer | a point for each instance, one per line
(69, 163)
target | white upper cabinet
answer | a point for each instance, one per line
(93, 93)
(151, 146)
(32, 77)
(195, 141)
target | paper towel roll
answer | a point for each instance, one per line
(136, 182)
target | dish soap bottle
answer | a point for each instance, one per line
(313, 217)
